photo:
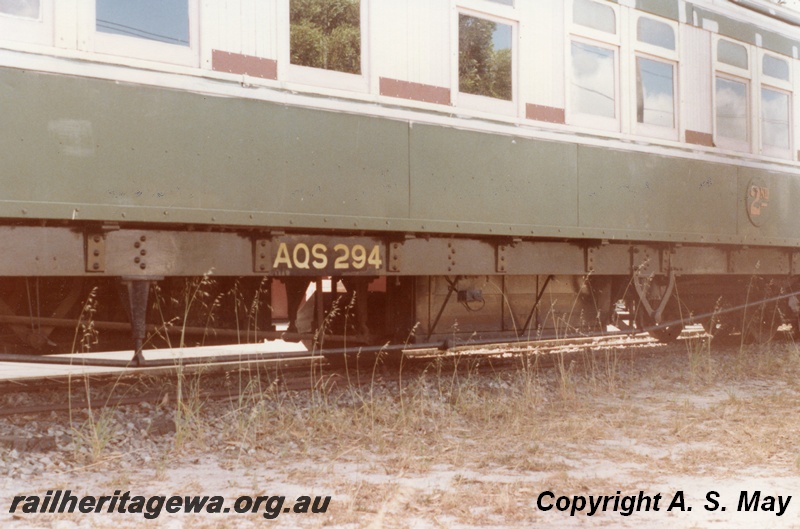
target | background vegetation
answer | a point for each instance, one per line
(326, 34)
(482, 69)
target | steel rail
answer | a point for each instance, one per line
(300, 378)
(495, 357)
(447, 344)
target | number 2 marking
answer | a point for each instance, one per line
(341, 260)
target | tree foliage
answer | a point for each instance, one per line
(482, 70)
(326, 34)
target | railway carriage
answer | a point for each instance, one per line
(468, 169)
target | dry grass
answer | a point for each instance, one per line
(494, 441)
(700, 404)
(540, 420)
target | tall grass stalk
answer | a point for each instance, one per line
(94, 433)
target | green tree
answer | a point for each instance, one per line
(501, 74)
(482, 70)
(326, 34)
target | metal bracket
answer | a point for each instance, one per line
(451, 256)
(395, 256)
(95, 252)
(261, 256)
(536, 304)
(666, 259)
(501, 259)
(656, 315)
(645, 260)
(140, 252)
(452, 286)
(134, 293)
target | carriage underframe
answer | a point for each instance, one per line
(371, 289)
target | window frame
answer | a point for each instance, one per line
(25, 30)
(593, 33)
(600, 39)
(776, 85)
(729, 72)
(657, 54)
(726, 142)
(755, 80)
(649, 129)
(475, 101)
(320, 77)
(99, 42)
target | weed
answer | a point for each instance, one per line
(567, 385)
(189, 425)
(602, 370)
(196, 291)
(701, 365)
(91, 438)
(528, 380)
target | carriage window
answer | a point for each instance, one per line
(656, 33)
(656, 78)
(592, 73)
(776, 107)
(735, 96)
(594, 15)
(593, 80)
(774, 67)
(327, 36)
(655, 99)
(28, 21)
(732, 109)
(157, 20)
(775, 118)
(20, 8)
(732, 54)
(753, 100)
(484, 57)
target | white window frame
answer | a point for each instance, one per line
(657, 54)
(594, 33)
(40, 31)
(89, 39)
(776, 85)
(479, 102)
(600, 39)
(733, 73)
(320, 77)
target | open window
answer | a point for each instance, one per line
(593, 71)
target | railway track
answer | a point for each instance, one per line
(228, 381)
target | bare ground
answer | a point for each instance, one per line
(451, 449)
